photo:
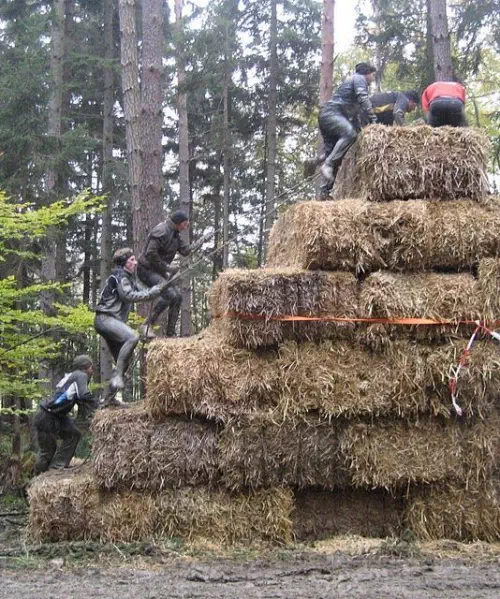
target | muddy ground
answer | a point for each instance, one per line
(348, 567)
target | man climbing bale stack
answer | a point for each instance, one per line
(390, 108)
(155, 268)
(443, 103)
(120, 291)
(339, 121)
(52, 421)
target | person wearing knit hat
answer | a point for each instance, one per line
(52, 421)
(339, 121)
(120, 291)
(155, 268)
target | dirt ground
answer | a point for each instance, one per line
(347, 567)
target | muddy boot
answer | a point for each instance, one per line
(116, 381)
(111, 401)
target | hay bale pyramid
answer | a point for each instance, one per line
(308, 408)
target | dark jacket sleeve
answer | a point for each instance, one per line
(184, 248)
(129, 294)
(361, 91)
(400, 109)
(83, 394)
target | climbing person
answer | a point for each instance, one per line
(443, 103)
(155, 268)
(120, 291)
(339, 121)
(52, 421)
(390, 108)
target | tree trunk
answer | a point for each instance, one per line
(271, 127)
(326, 69)
(49, 263)
(229, 35)
(185, 195)
(150, 210)
(48, 266)
(106, 363)
(131, 109)
(441, 45)
(327, 51)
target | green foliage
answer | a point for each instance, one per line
(25, 341)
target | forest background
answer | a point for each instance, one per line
(115, 112)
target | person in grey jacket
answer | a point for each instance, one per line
(52, 421)
(155, 268)
(120, 291)
(339, 121)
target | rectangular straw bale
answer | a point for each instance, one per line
(224, 518)
(437, 296)
(206, 376)
(320, 514)
(258, 452)
(63, 504)
(239, 295)
(361, 236)
(132, 452)
(394, 454)
(326, 236)
(69, 507)
(451, 511)
(403, 163)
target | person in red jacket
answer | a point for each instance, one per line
(443, 103)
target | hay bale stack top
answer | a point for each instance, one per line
(402, 163)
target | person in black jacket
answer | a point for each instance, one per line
(339, 121)
(52, 421)
(155, 268)
(391, 107)
(120, 291)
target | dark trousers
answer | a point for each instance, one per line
(170, 298)
(447, 111)
(49, 429)
(338, 136)
(120, 338)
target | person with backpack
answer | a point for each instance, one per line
(52, 421)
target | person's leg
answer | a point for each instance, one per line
(121, 337)
(70, 436)
(150, 279)
(347, 135)
(103, 325)
(441, 112)
(174, 307)
(130, 340)
(47, 440)
(329, 141)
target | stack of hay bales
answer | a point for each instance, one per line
(298, 414)
(148, 481)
